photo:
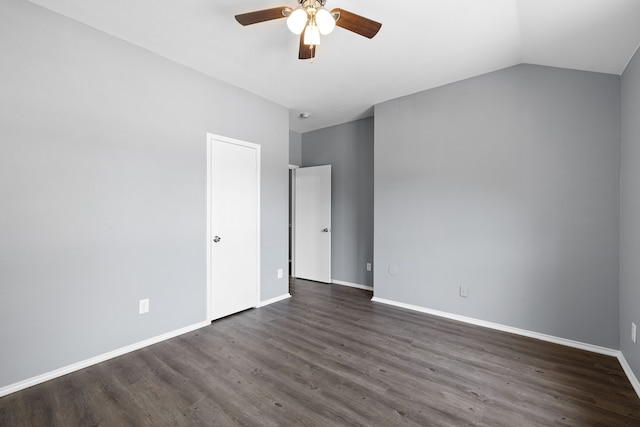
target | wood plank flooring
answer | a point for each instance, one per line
(330, 357)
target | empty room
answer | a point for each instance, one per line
(319, 213)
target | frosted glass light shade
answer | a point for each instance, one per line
(325, 21)
(312, 35)
(297, 20)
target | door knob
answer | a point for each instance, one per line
(217, 239)
(325, 230)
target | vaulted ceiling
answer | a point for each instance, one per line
(422, 44)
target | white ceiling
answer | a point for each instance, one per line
(422, 44)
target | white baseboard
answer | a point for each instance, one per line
(21, 385)
(352, 285)
(544, 337)
(550, 338)
(504, 328)
(30, 382)
(273, 300)
(627, 370)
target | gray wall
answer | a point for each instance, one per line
(507, 183)
(348, 148)
(630, 214)
(295, 148)
(103, 190)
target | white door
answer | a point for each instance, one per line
(312, 222)
(234, 219)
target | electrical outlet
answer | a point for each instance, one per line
(280, 273)
(633, 332)
(464, 291)
(368, 266)
(143, 306)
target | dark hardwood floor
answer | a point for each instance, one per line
(329, 357)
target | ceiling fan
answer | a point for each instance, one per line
(310, 20)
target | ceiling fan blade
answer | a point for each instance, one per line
(356, 23)
(306, 51)
(262, 15)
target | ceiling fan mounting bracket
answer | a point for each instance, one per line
(320, 2)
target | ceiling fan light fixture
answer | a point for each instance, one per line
(325, 21)
(312, 35)
(310, 20)
(297, 20)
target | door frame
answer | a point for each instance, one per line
(210, 138)
(292, 215)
